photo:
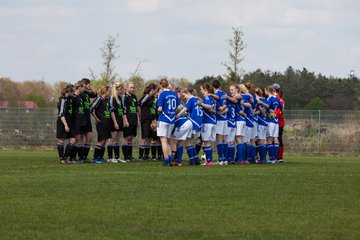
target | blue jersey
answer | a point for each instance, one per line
(195, 112)
(274, 104)
(180, 121)
(261, 119)
(169, 101)
(238, 109)
(231, 114)
(248, 110)
(219, 103)
(209, 117)
(254, 106)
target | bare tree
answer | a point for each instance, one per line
(138, 67)
(236, 45)
(109, 55)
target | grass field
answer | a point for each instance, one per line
(304, 198)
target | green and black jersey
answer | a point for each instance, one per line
(147, 105)
(130, 108)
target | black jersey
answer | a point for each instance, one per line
(117, 109)
(78, 109)
(65, 108)
(101, 106)
(86, 100)
(130, 108)
(147, 105)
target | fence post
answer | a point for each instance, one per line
(319, 130)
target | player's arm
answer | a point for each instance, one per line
(138, 114)
(223, 111)
(112, 113)
(63, 120)
(160, 104)
(93, 106)
(182, 111)
(214, 96)
(231, 99)
(263, 104)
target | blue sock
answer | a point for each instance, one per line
(190, 152)
(225, 151)
(231, 153)
(239, 152)
(179, 153)
(167, 160)
(220, 151)
(208, 153)
(171, 158)
(269, 148)
(275, 150)
(253, 154)
(194, 154)
(248, 151)
(262, 152)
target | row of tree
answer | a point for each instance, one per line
(301, 89)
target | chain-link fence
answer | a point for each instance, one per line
(306, 132)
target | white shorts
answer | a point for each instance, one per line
(164, 129)
(248, 134)
(222, 128)
(262, 132)
(183, 132)
(196, 133)
(231, 135)
(208, 132)
(273, 130)
(254, 133)
(240, 128)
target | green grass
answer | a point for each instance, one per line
(304, 198)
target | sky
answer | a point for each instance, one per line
(60, 40)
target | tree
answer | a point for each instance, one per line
(109, 55)
(236, 45)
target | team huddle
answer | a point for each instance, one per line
(244, 123)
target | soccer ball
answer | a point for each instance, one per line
(203, 157)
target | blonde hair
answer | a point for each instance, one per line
(114, 90)
(243, 88)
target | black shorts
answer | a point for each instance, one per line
(146, 131)
(103, 130)
(130, 131)
(88, 127)
(119, 122)
(61, 133)
(78, 125)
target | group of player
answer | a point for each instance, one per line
(243, 123)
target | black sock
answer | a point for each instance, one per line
(74, 151)
(68, 151)
(125, 151)
(102, 152)
(60, 149)
(153, 150)
(147, 151)
(198, 148)
(141, 151)
(97, 151)
(86, 150)
(110, 148)
(130, 151)
(80, 150)
(117, 151)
